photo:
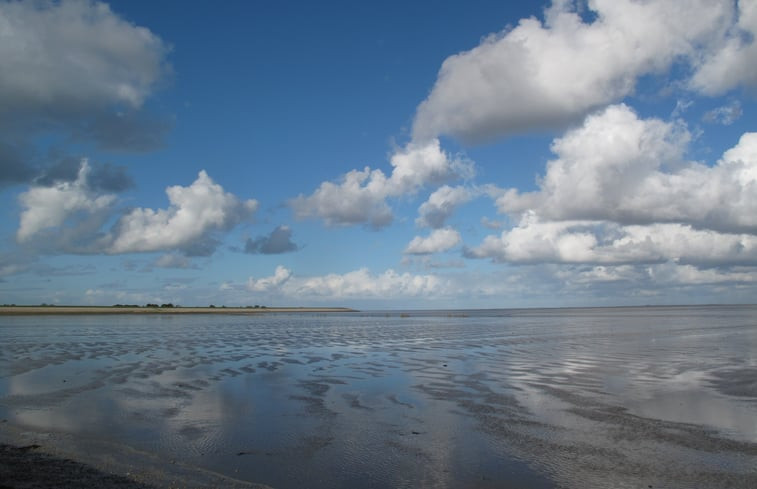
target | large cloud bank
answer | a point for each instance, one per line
(547, 74)
(76, 69)
(621, 168)
(74, 56)
(621, 192)
(621, 200)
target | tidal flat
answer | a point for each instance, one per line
(542, 398)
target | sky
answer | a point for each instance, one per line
(449, 154)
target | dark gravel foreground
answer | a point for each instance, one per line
(27, 468)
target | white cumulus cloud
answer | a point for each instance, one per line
(195, 211)
(602, 242)
(49, 207)
(441, 204)
(620, 168)
(731, 63)
(439, 240)
(542, 74)
(356, 284)
(360, 197)
(364, 284)
(672, 273)
(267, 284)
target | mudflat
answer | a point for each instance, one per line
(568, 398)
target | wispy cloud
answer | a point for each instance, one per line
(725, 114)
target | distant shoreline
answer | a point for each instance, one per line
(86, 310)
(16, 310)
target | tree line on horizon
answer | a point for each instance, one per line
(148, 305)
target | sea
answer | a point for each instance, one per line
(626, 397)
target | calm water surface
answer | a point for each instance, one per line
(621, 397)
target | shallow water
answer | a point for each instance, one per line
(621, 397)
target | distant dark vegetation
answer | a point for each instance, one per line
(169, 305)
(125, 306)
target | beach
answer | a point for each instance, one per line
(550, 398)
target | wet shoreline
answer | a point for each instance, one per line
(27, 466)
(57, 460)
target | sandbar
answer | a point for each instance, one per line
(60, 310)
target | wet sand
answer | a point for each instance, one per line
(52, 460)
(627, 398)
(26, 466)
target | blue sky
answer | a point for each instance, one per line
(445, 154)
